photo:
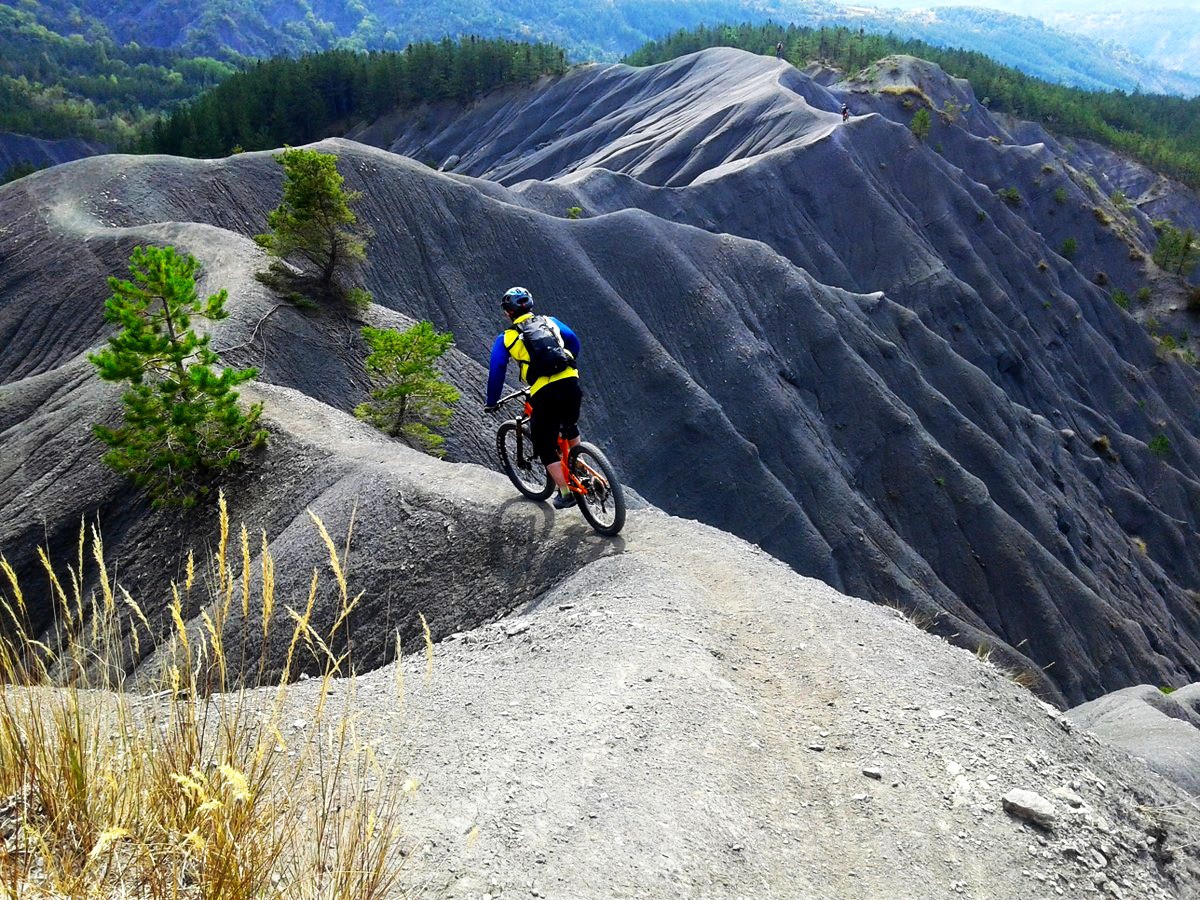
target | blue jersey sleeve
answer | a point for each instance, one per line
(570, 340)
(499, 364)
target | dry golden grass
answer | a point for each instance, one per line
(906, 90)
(187, 788)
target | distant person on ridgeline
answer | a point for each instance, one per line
(545, 350)
(779, 50)
(845, 112)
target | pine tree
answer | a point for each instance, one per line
(922, 123)
(315, 226)
(409, 398)
(183, 424)
(1177, 251)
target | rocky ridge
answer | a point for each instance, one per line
(963, 232)
(947, 415)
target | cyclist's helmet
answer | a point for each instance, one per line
(517, 301)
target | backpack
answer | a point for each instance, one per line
(543, 343)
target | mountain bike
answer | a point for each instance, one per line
(590, 476)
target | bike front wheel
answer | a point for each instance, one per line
(604, 503)
(524, 469)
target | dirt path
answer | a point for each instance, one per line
(690, 718)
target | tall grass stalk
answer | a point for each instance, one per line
(190, 786)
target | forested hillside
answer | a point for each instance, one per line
(89, 87)
(1167, 32)
(587, 29)
(295, 101)
(1162, 132)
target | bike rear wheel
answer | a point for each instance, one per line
(604, 503)
(524, 469)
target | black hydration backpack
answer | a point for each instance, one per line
(543, 343)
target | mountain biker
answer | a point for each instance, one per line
(779, 50)
(555, 398)
(845, 111)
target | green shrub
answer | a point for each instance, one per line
(1144, 294)
(19, 170)
(1160, 446)
(1121, 299)
(575, 212)
(1068, 249)
(1060, 195)
(409, 398)
(1010, 195)
(1177, 251)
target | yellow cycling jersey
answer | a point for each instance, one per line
(516, 349)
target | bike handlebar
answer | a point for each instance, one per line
(523, 392)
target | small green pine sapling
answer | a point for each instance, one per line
(409, 398)
(922, 124)
(183, 425)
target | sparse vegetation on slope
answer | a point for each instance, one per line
(1162, 132)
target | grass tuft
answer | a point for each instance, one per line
(188, 787)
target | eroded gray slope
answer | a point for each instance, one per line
(1163, 730)
(868, 208)
(21, 148)
(838, 430)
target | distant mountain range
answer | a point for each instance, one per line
(605, 29)
(1167, 32)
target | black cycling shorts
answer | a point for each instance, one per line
(555, 411)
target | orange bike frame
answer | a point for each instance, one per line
(564, 453)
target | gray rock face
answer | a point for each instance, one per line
(18, 148)
(830, 340)
(1025, 348)
(1030, 806)
(1163, 729)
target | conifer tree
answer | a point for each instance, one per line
(315, 228)
(921, 124)
(1177, 251)
(183, 424)
(409, 399)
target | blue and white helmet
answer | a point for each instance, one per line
(517, 301)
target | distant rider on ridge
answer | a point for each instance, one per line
(545, 350)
